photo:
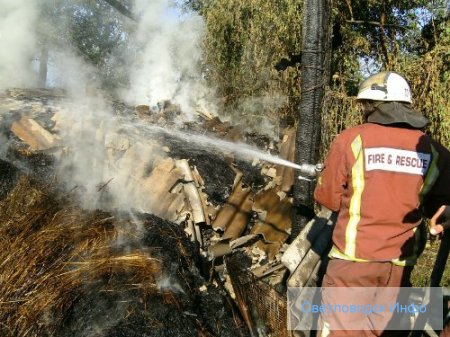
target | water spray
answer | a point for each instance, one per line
(308, 172)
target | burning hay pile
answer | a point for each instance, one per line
(69, 272)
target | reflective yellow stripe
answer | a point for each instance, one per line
(411, 260)
(355, 202)
(337, 254)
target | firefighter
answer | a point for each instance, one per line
(382, 177)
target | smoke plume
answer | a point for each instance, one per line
(165, 65)
(17, 42)
(168, 64)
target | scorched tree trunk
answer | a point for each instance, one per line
(314, 77)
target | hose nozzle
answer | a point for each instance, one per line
(310, 171)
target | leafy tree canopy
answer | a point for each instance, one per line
(245, 40)
(97, 31)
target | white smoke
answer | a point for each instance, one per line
(168, 65)
(258, 115)
(78, 79)
(82, 128)
(168, 283)
(18, 20)
(101, 155)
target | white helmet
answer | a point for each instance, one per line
(385, 86)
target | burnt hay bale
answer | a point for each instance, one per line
(64, 273)
(9, 175)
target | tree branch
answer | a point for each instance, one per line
(350, 8)
(383, 40)
(121, 9)
(375, 23)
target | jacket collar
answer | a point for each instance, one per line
(388, 113)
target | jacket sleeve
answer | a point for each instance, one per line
(440, 192)
(333, 180)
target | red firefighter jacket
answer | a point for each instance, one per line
(381, 179)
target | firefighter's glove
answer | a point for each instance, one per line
(440, 220)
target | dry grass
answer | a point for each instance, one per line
(47, 251)
(422, 271)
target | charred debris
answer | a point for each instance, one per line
(203, 256)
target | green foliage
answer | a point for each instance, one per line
(339, 112)
(245, 39)
(430, 80)
(402, 46)
(98, 32)
(244, 42)
(195, 5)
(374, 33)
(94, 29)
